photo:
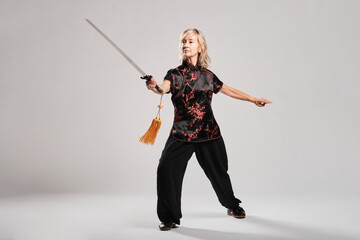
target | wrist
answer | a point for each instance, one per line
(252, 99)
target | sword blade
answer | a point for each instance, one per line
(117, 48)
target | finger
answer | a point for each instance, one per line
(263, 99)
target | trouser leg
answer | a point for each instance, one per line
(212, 157)
(170, 174)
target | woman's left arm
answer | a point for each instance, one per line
(234, 93)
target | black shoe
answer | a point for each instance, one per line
(236, 212)
(165, 226)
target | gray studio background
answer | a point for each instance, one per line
(72, 108)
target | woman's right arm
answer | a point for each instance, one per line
(165, 86)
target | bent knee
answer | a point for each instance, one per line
(165, 167)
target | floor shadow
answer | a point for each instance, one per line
(284, 230)
(206, 214)
(297, 231)
(216, 235)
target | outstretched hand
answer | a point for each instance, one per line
(150, 84)
(260, 102)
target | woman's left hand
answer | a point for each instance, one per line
(260, 102)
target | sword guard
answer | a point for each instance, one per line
(147, 77)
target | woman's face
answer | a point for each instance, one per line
(190, 45)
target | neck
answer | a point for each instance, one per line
(192, 60)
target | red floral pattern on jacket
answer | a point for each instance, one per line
(192, 89)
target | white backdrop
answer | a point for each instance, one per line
(72, 109)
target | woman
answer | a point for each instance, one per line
(194, 130)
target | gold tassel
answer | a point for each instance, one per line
(150, 136)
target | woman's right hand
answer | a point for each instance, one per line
(150, 84)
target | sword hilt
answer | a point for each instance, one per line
(148, 77)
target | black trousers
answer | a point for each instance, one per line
(212, 158)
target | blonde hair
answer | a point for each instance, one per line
(203, 57)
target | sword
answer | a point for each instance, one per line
(144, 75)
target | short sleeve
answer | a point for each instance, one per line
(217, 84)
(170, 76)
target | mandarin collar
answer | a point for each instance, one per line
(186, 64)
